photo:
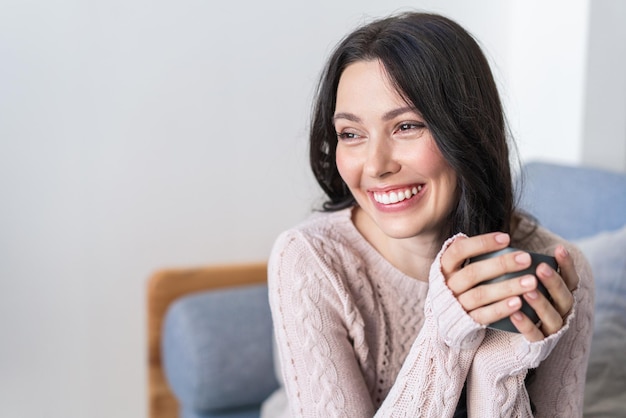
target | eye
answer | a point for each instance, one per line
(348, 136)
(408, 126)
(410, 130)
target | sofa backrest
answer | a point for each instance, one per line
(573, 202)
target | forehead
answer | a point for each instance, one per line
(365, 87)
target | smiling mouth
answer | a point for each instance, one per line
(389, 198)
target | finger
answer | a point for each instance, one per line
(526, 327)
(489, 293)
(567, 268)
(464, 248)
(562, 297)
(551, 320)
(490, 268)
(486, 315)
(479, 271)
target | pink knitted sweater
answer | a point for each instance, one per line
(358, 338)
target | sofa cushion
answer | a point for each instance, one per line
(605, 391)
(574, 202)
(217, 349)
(246, 412)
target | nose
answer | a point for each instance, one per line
(381, 160)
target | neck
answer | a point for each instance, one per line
(413, 256)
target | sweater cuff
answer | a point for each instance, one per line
(524, 355)
(531, 354)
(455, 326)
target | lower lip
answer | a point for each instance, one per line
(399, 206)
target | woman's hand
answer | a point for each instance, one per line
(491, 302)
(560, 287)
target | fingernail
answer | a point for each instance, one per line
(517, 316)
(546, 270)
(564, 252)
(528, 281)
(515, 303)
(532, 295)
(502, 238)
(522, 258)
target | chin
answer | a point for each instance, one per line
(403, 231)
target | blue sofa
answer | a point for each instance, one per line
(215, 345)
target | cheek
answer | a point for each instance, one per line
(433, 162)
(347, 167)
(448, 181)
(430, 160)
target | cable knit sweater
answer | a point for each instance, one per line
(358, 338)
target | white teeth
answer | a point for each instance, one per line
(395, 197)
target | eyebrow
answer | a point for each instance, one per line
(387, 116)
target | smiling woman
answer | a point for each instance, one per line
(385, 151)
(375, 310)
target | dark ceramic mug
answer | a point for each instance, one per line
(505, 324)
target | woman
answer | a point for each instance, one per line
(376, 310)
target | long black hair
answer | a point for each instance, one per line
(438, 68)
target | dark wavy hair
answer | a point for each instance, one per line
(438, 68)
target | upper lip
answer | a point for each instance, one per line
(387, 189)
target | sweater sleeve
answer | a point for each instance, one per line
(558, 386)
(321, 372)
(432, 377)
(496, 382)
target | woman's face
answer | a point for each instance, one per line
(388, 157)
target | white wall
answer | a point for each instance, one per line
(141, 134)
(546, 65)
(605, 92)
